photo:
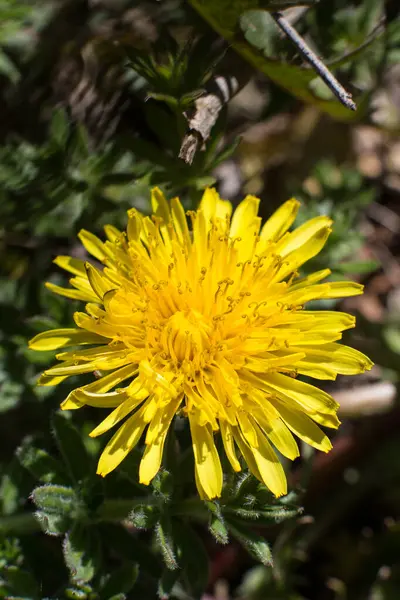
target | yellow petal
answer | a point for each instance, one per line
(306, 395)
(327, 420)
(76, 266)
(57, 338)
(270, 468)
(112, 233)
(341, 359)
(180, 222)
(245, 221)
(303, 427)
(155, 439)
(329, 320)
(246, 452)
(122, 442)
(71, 402)
(94, 325)
(107, 382)
(311, 279)
(223, 210)
(208, 204)
(207, 463)
(93, 245)
(109, 400)
(69, 367)
(247, 428)
(229, 445)
(74, 294)
(100, 285)
(279, 435)
(48, 380)
(313, 368)
(343, 289)
(302, 235)
(115, 416)
(159, 205)
(310, 248)
(280, 221)
(134, 225)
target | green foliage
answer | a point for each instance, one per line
(263, 47)
(342, 193)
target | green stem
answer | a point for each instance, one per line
(193, 508)
(20, 523)
(119, 509)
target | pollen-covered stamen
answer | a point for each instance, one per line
(185, 336)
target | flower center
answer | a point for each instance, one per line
(185, 336)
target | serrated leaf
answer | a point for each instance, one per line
(53, 524)
(72, 448)
(40, 464)
(144, 516)
(218, 530)
(120, 581)
(165, 543)
(81, 550)
(256, 545)
(278, 515)
(55, 499)
(163, 485)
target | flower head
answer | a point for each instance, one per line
(207, 322)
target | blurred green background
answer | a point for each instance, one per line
(93, 102)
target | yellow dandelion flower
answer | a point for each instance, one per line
(207, 322)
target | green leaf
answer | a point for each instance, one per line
(72, 448)
(53, 524)
(8, 68)
(166, 583)
(21, 582)
(163, 485)
(224, 154)
(59, 127)
(358, 267)
(192, 558)
(120, 582)
(130, 548)
(391, 335)
(217, 525)
(254, 543)
(81, 550)
(144, 516)
(260, 30)
(55, 499)
(226, 16)
(166, 544)
(40, 464)
(218, 529)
